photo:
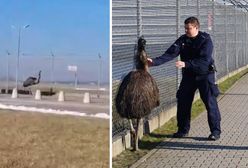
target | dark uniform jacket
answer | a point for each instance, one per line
(195, 52)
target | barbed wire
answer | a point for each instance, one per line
(242, 4)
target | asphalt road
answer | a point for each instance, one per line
(72, 103)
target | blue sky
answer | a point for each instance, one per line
(74, 30)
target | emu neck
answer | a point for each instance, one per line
(146, 67)
(141, 61)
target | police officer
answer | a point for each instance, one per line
(195, 50)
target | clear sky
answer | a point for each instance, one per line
(74, 30)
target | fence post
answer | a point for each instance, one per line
(227, 56)
(213, 32)
(178, 35)
(244, 43)
(139, 28)
(243, 39)
(139, 18)
(198, 9)
(246, 38)
(236, 49)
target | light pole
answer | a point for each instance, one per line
(99, 76)
(76, 80)
(7, 88)
(52, 68)
(18, 55)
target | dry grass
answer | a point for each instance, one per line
(33, 140)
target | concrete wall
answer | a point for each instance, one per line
(121, 143)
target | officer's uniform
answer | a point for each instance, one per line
(198, 74)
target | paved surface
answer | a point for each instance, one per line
(97, 106)
(196, 151)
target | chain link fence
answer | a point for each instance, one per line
(161, 23)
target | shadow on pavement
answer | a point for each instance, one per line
(202, 144)
(197, 146)
(234, 94)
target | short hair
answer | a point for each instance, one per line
(192, 20)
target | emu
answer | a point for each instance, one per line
(138, 93)
(32, 80)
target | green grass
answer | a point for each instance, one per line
(35, 140)
(150, 141)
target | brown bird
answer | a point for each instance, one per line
(138, 93)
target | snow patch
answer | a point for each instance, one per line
(53, 111)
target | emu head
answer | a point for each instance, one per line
(141, 56)
(39, 73)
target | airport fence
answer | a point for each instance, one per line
(161, 23)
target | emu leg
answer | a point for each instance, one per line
(30, 91)
(131, 126)
(136, 142)
(132, 132)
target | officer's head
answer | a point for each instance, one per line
(191, 26)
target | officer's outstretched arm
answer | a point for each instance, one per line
(172, 52)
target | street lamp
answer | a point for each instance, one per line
(18, 54)
(99, 75)
(52, 68)
(7, 88)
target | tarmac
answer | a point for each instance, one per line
(72, 103)
(195, 150)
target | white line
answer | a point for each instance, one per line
(52, 111)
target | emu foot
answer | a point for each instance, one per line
(134, 141)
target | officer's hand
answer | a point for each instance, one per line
(180, 64)
(150, 62)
